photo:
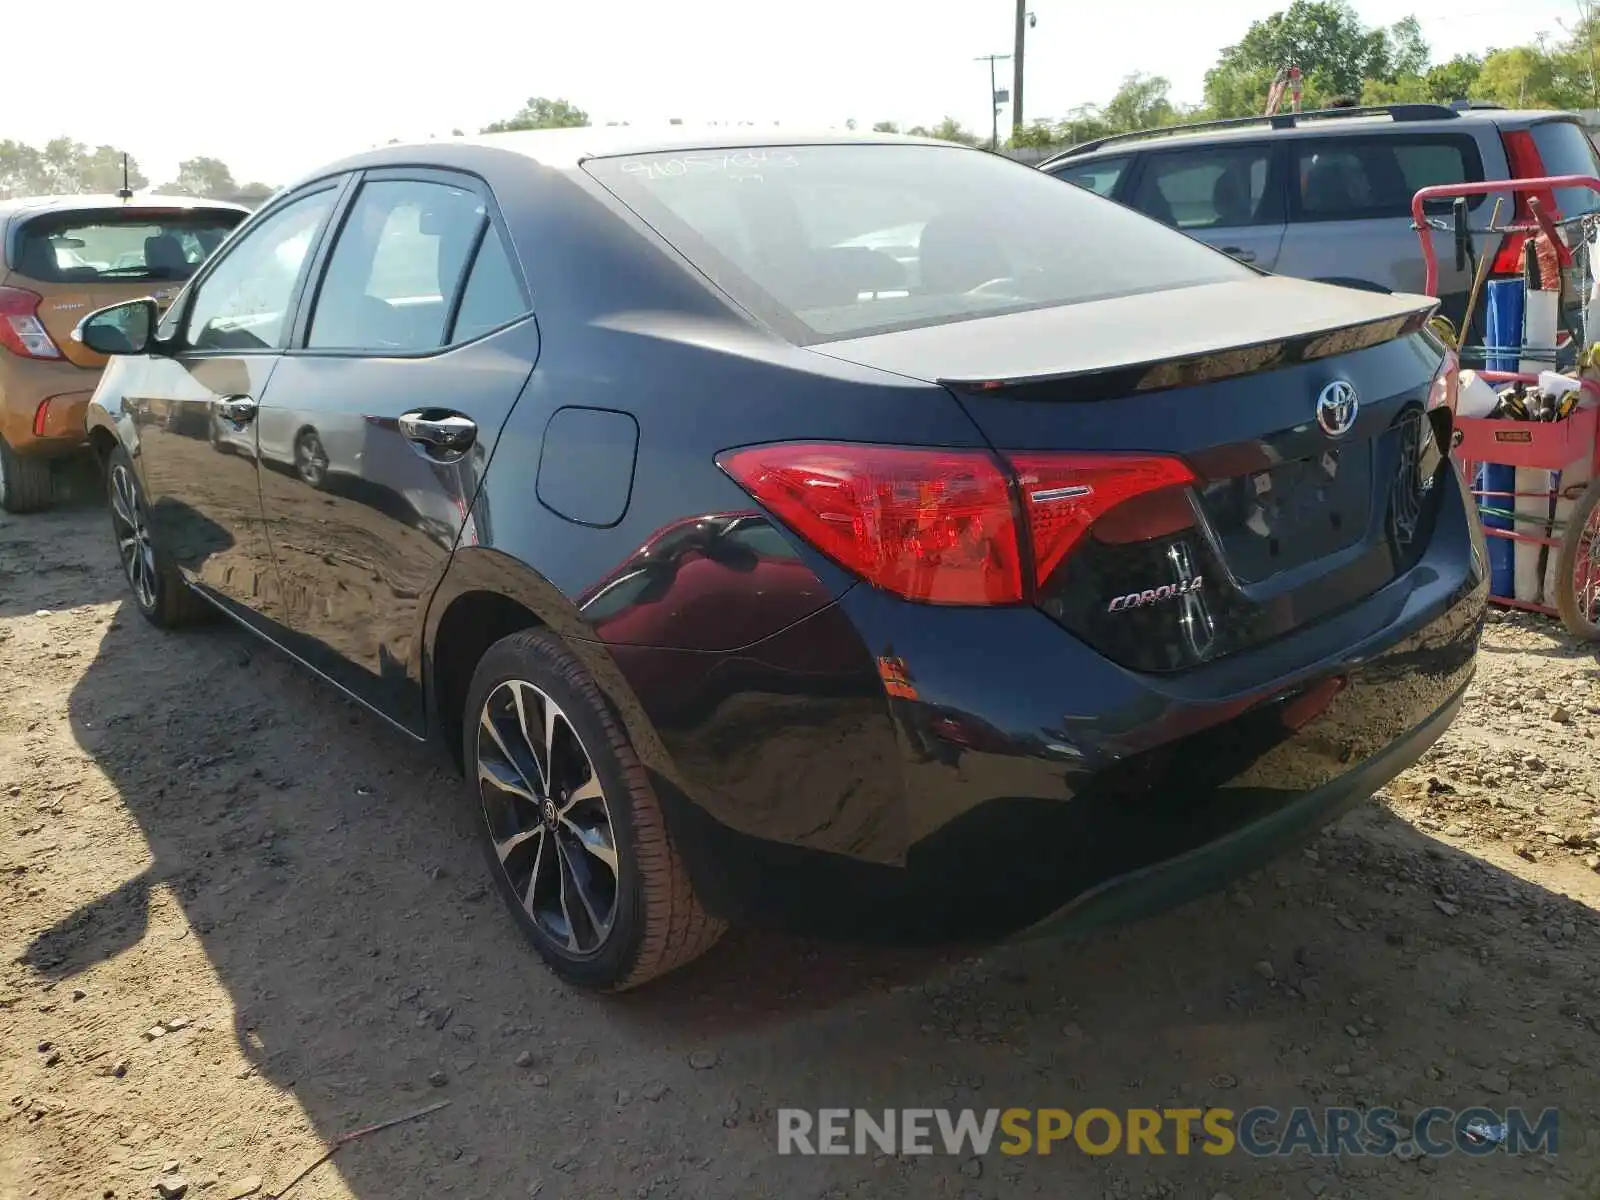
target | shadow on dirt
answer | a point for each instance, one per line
(39, 570)
(328, 872)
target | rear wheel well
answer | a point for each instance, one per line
(473, 622)
(102, 441)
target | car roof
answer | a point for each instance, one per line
(565, 149)
(1396, 119)
(19, 206)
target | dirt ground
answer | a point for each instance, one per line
(240, 918)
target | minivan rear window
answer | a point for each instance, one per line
(1565, 149)
(119, 244)
(836, 241)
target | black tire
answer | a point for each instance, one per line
(656, 923)
(26, 484)
(1582, 619)
(155, 586)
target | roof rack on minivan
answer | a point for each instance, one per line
(1289, 120)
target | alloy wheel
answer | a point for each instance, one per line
(133, 537)
(310, 459)
(548, 818)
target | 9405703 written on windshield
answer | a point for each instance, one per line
(734, 164)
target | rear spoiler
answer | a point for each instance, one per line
(1211, 366)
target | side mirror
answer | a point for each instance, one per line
(127, 328)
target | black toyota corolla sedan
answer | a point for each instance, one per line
(863, 536)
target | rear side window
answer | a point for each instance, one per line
(115, 245)
(1353, 179)
(1099, 177)
(492, 297)
(1207, 189)
(838, 241)
(400, 253)
(1565, 149)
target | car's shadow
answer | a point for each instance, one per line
(328, 872)
(39, 569)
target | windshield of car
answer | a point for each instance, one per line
(838, 241)
(120, 245)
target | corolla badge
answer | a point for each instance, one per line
(1337, 405)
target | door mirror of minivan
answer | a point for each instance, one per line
(127, 328)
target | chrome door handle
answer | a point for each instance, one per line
(448, 431)
(1240, 253)
(241, 410)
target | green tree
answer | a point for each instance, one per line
(886, 127)
(62, 167)
(947, 130)
(202, 176)
(21, 169)
(540, 113)
(1408, 53)
(1578, 61)
(101, 171)
(1335, 52)
(1523, 77)
(1140, 103)
(1456, 79)
(1037, 135)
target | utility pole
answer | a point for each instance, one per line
(994, 106)
(1016, 68)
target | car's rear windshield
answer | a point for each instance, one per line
(837, 241)
(119, 245)
(1565, 149)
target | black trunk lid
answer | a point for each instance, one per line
(1294, 517)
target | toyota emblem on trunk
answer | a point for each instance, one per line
(1337, 406)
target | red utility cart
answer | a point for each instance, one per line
(1543, 445)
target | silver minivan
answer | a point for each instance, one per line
(1327, 195)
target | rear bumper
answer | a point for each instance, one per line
(25, 384)
(906, 773)
(1176, 881)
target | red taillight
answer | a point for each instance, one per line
(40, 416)
(1064, 494)
(941, 525)
(933, 525)
(1525, 161)
(20, 330)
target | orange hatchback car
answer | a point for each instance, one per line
(61, 258)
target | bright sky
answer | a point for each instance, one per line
(278, 87)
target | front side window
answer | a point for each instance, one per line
(836, 241)
(1205, 189)
(244, 303)
(395, 267)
